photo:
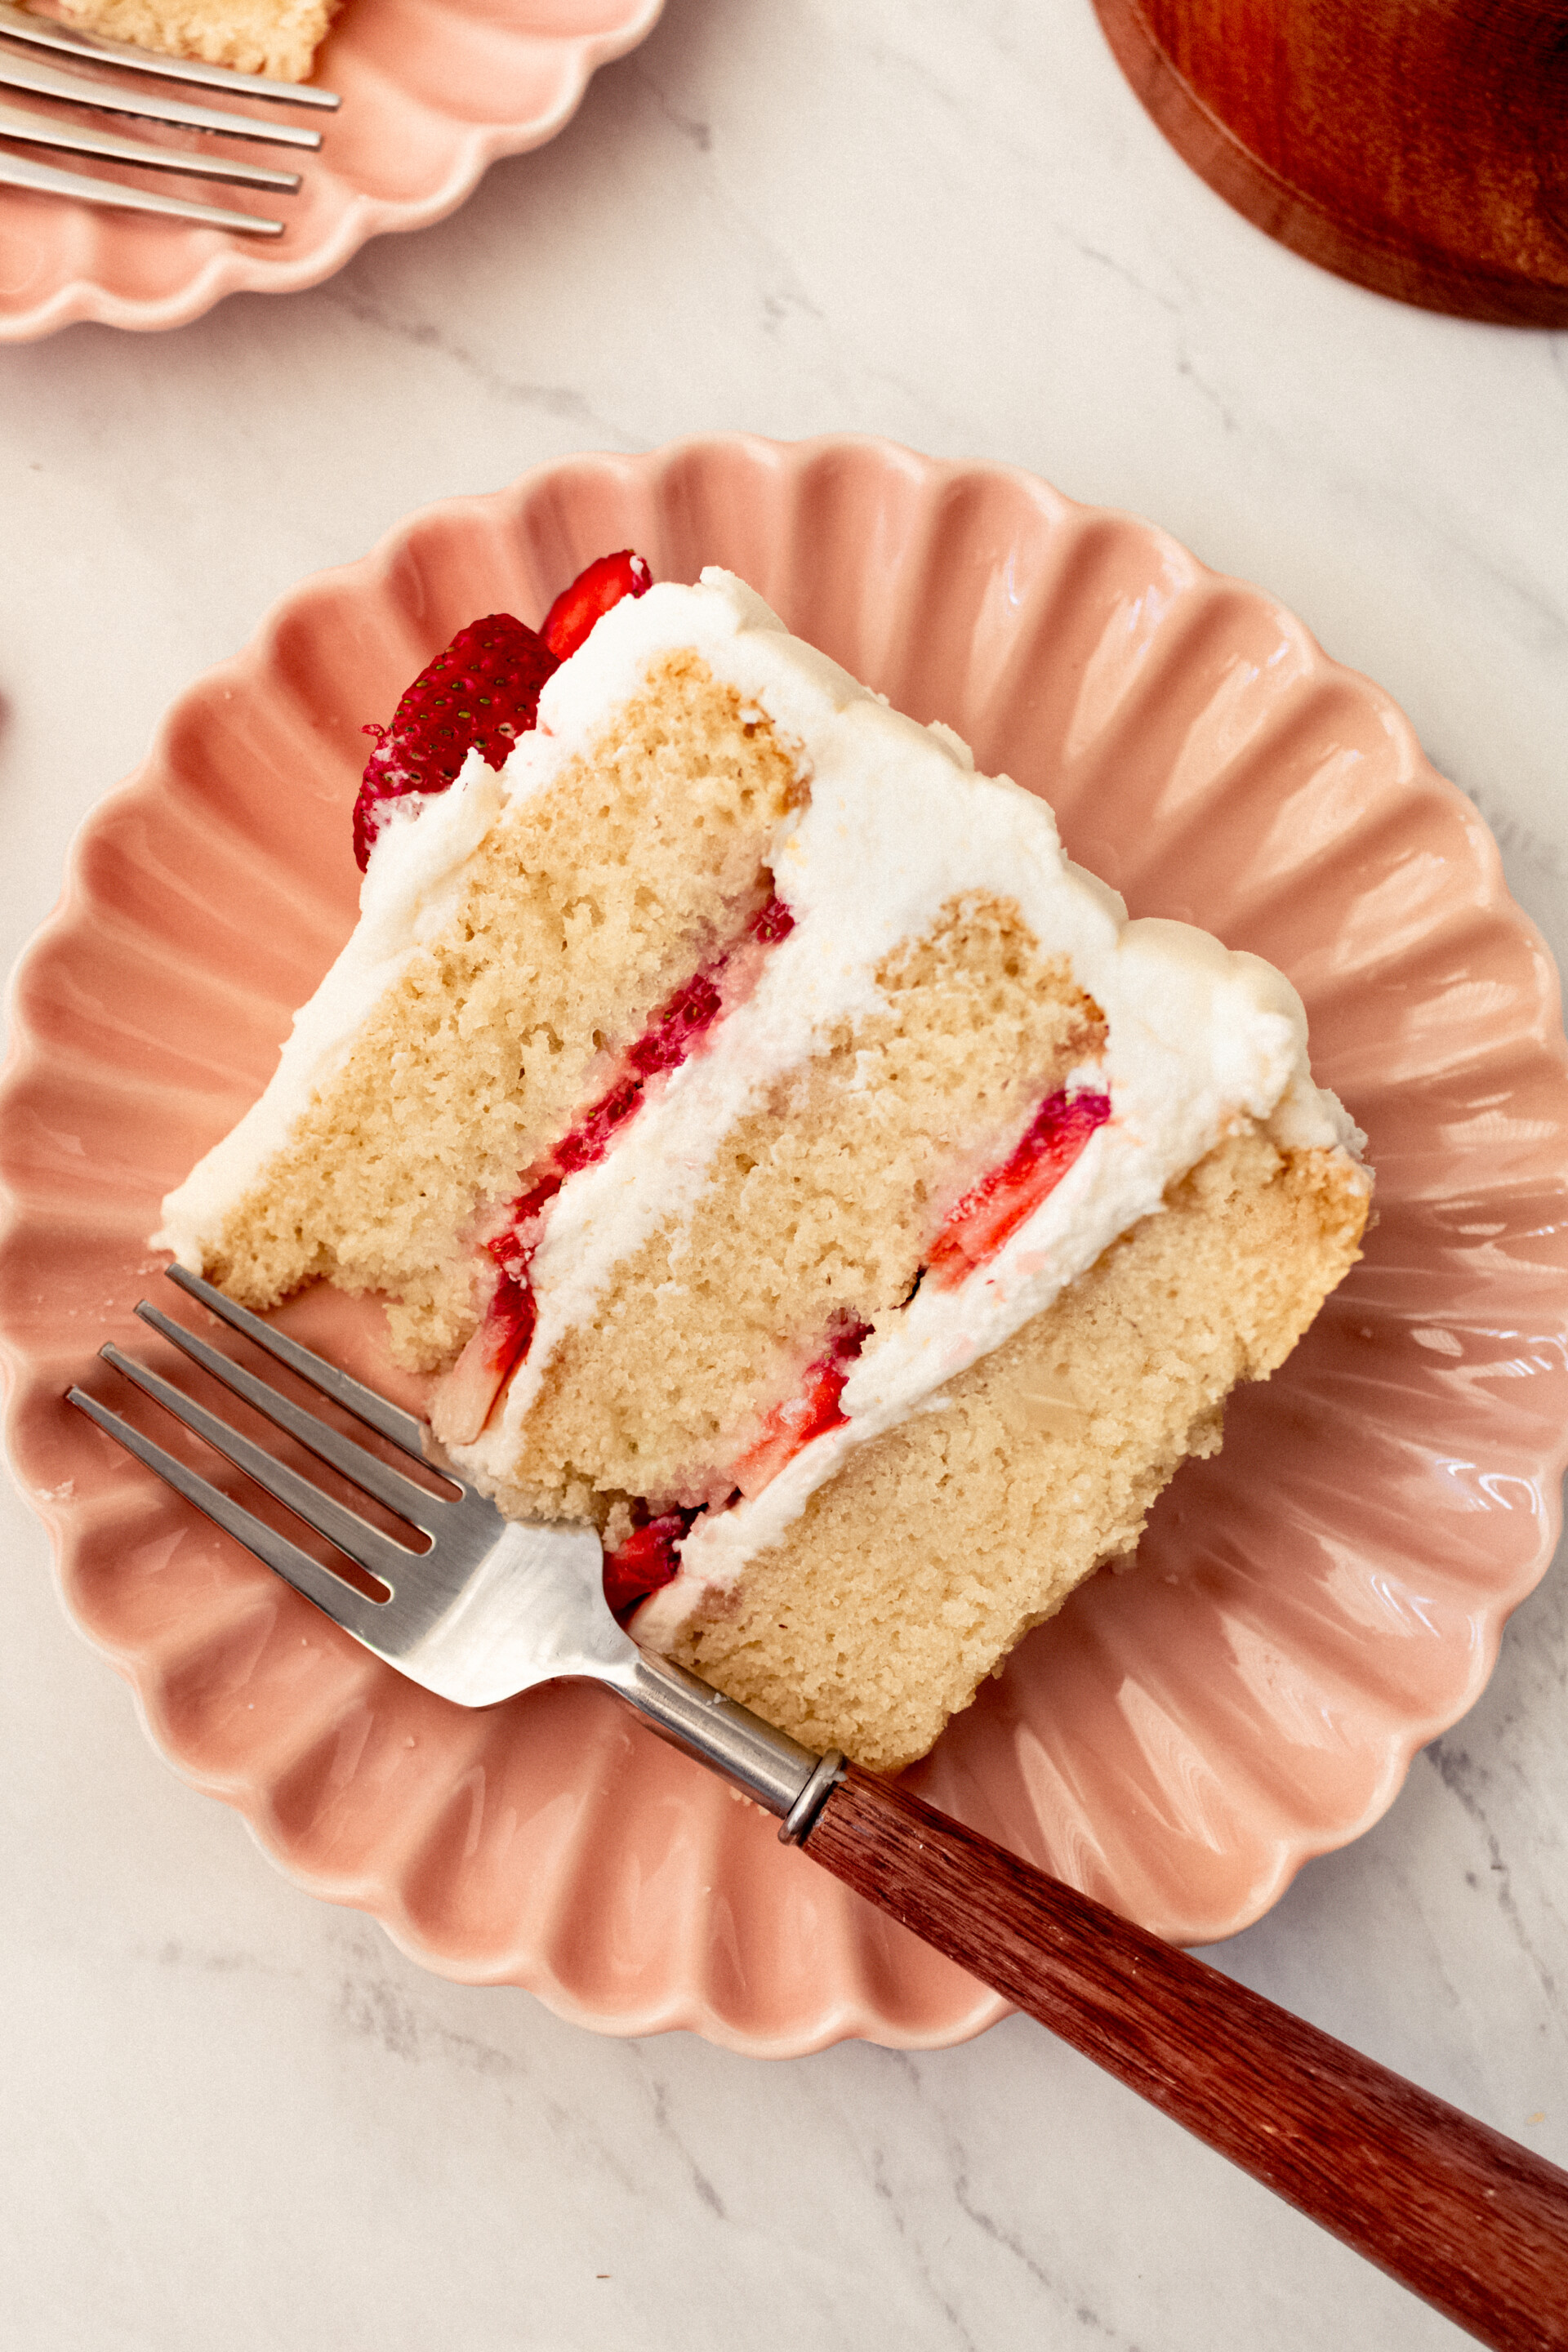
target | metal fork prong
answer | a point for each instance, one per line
(70, 138)
(354, 1537)
(42, 33)
(405, 1430)
(119, 195)
(47, 81)
(389, 1487)
(353, 1611)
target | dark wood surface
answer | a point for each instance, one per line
(1467, 2219)
(1419, 147)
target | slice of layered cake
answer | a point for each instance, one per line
(781, 1153)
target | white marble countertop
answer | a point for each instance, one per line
(231, 2115)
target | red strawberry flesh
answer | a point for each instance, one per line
(645, 1562)
(571, 619)
(996, 1206)
(673, 1034)
(482, 692)
(813, 1410)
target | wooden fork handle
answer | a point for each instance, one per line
(1472, 2221)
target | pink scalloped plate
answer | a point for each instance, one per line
(1306, 1609)
(433, 91)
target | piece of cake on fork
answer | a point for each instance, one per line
(276, 38)
(781, 1153)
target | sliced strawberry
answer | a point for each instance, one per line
(814, 1409)
(469, 1390)
(483, 690)
(683, 1018)
(570, 618)
(772, 922)
(647, 1559)
(998, 1204)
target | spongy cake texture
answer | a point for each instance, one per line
(817, 1212)
(276, 38)
(939, 1544)
(585, 905)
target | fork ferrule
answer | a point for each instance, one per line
(762, 1763)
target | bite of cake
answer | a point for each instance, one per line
(780, 1152)
(276, 38)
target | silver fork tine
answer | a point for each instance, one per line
(48, 81)
(347, 1608)
(119, 195)
(494, 1608)
(404, 1429)
(55, 131)
(43, 32)
(374, 1477)
(352, 1536)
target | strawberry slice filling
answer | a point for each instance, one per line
(675, 1032)
(481, 693)
(973, 1231)
(811, 1412)
(648, 1559)
(996, 1207)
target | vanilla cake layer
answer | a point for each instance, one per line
(276, 38)
(756, 1310)
(905, 1580)
(818, 1212)
(566, 915)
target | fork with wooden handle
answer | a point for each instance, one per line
(1464, 2217)
(27, 67)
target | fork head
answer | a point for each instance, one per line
(23, 35)
(490, 1606)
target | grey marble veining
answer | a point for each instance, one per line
(232, 2115)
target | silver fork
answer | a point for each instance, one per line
(494, 1606)
(33, 74)
(1470, 2220)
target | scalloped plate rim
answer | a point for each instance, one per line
(845, 2017)
(238, 269)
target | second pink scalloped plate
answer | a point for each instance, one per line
(433, 91)
(1305, 1610)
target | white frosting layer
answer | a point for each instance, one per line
(408, 895)
(897, 825)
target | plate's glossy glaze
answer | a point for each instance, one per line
(433, 91)
(1306, 1609)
